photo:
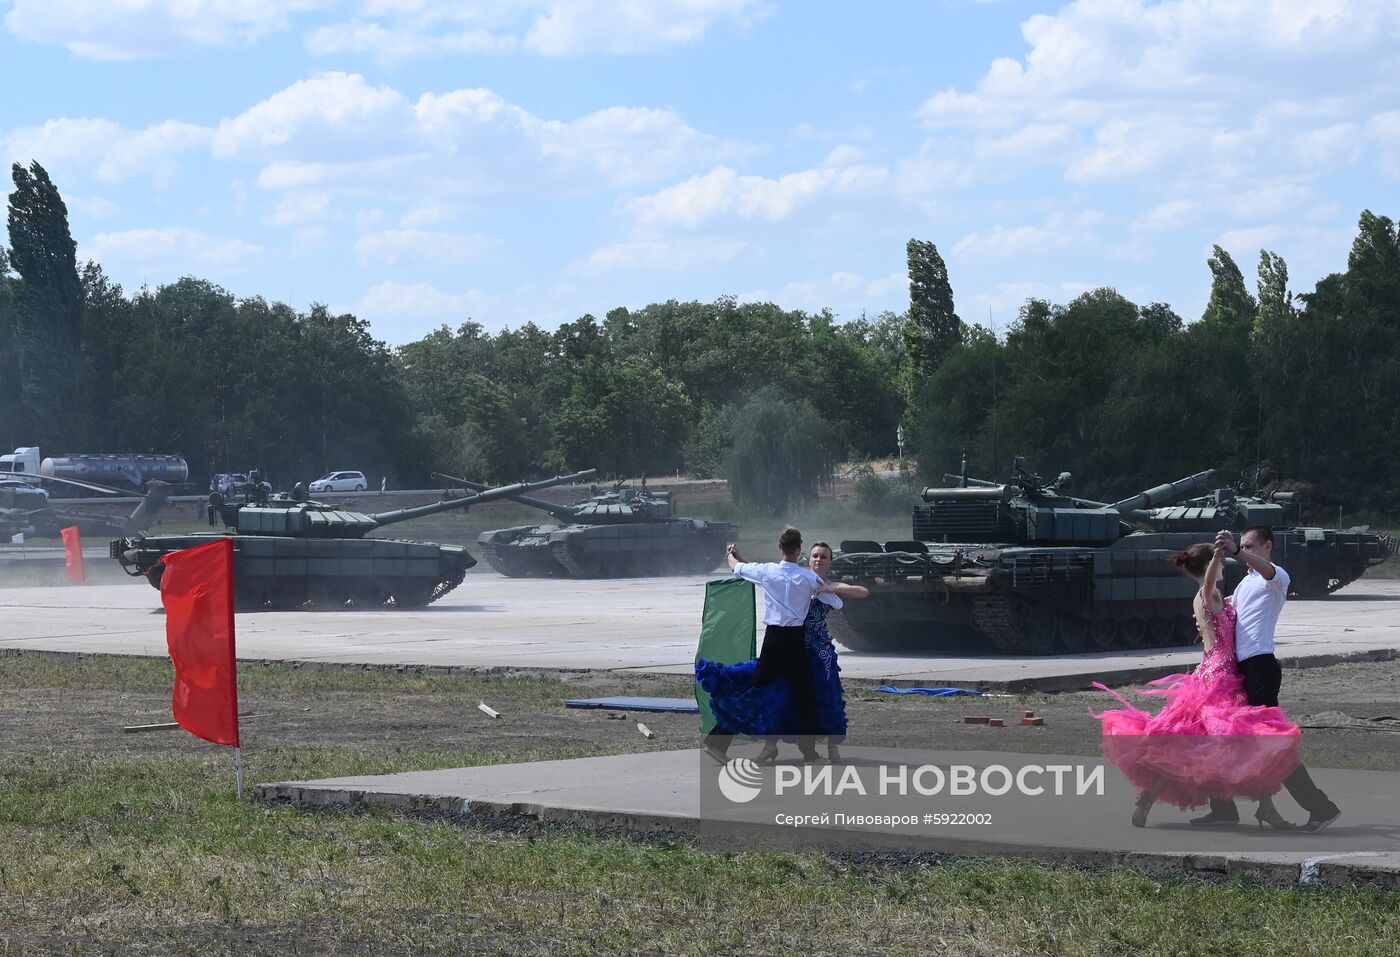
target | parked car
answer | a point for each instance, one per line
(24, 488)
(340, 482)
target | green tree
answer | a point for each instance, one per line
(625, 419)
(48, 330)
(1230, 301)
(781, 454)
(934, 328)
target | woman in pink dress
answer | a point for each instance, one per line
(1207, 741)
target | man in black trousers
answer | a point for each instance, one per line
(1258, 602)
(788, 589)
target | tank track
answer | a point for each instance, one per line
(445, 586)
(996, 619)
(562, 555)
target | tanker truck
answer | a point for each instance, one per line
(129, 471)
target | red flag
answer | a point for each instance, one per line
(73, 547)
(197, 591)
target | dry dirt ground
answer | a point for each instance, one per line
(350, 708)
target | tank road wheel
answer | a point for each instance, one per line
(412, 592)
(285, 597)
(1103, 634)
(1132, 633)
(1161, 632)
(1041, 630)
(1074, 634)
(328, 596)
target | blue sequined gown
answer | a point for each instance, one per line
(769, 711)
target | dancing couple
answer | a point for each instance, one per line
(1221, 734)
(792, 690)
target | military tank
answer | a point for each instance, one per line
(625, 532)
(1022, 567)
(1019, 567)
(293, 553)
(1319, 560)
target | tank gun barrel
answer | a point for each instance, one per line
(489, 495)
(561, 512)
(978, 483)
(1161, 494)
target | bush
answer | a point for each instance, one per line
(878, 495)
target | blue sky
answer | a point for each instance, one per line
(423, 163)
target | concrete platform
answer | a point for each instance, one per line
(674, 792)
(648, 625)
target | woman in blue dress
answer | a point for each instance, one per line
(768, 711)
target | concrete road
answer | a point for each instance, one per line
(684, 791)
(636, 624)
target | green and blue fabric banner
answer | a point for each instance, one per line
(728, 633)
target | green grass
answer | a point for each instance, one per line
(139, 853)
(100, 673)
(148, 852)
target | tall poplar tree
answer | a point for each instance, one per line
(934, 328)
(48, 326)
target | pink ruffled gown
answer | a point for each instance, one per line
(1208, 740)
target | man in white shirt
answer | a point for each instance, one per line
(788, 589)
(1258, 601)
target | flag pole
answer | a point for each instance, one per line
(238, 770)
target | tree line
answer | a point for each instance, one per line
(1283, 387)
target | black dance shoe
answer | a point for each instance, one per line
(1216, 820)
(1320, 823)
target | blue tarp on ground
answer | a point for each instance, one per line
(623, 703)
(931, 692)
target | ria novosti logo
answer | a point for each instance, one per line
(740, 780)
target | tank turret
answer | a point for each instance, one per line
(1318, 560)
(1028, 510)
(624, 532)
(293, 553)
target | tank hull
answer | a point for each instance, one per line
(621, 550)
(521, 552)
(1005, 599)
(283, 574)
(993, 599)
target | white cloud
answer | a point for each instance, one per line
(324, 113)
(398, 247)
(396, 43)
(1208, 89)
(1384, 130)
(1253, 238)
(337, 131)
(844, 293)
(397, 30)
(424, 216)
(129, 29)
(402, 312)
(665, 256)
(297, 208)
(174, 246)
(723, 191)
(94, 207)
(627, 26)
(999, 305)
(104, 148)
(1061, 231)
